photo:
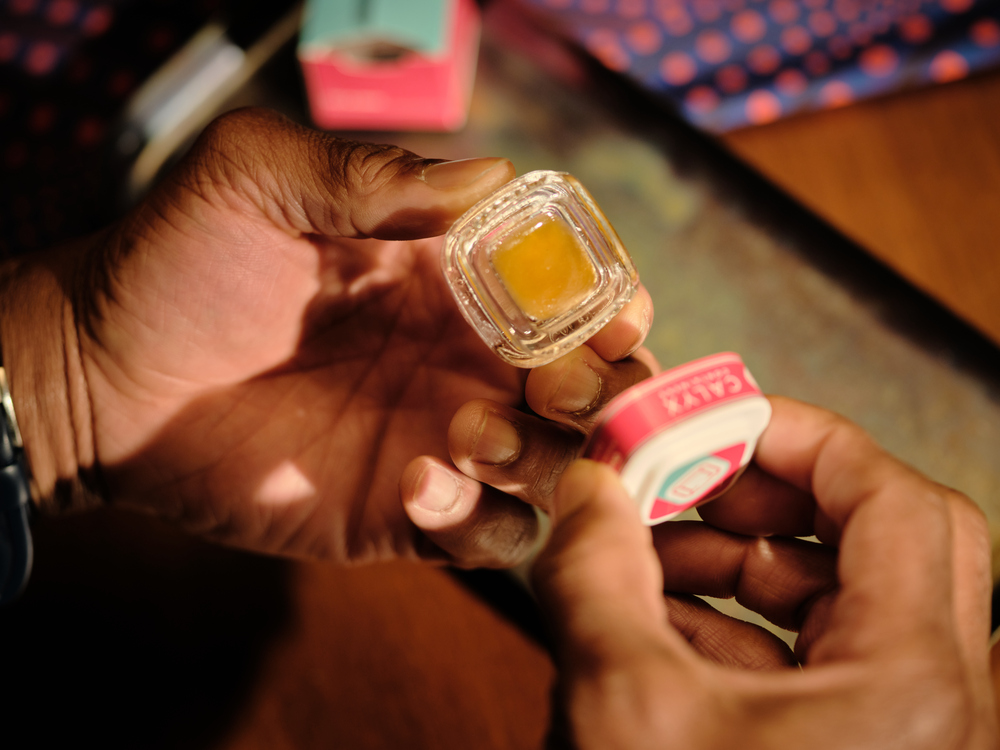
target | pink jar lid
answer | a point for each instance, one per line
(684, 436)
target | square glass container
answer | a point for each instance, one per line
(536, 268)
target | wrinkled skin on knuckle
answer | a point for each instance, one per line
(302, 179)
(355, 174)
(229, 144)
(366, 167)
(545, 467)
(234, 165)
(500, 543)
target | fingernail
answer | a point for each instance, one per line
(579, 390)
(642, 327)
(646, 324)
(497, 442)
(635, 317)
(447, 175)
(437, 489)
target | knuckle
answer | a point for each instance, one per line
(365, 167)
(966, 508)
(972, 523)
(356, 174)
(545, 467)
(236, 128)
(232, 149)
(844, 430)
(944, 704)
(501, 542)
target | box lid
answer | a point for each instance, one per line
(414, 25)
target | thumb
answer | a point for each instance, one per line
(309, 181)
(598, 578)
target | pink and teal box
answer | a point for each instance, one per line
(389, 64)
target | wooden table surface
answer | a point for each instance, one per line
(914, 178)
(134, 635)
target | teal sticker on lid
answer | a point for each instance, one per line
(414, 25)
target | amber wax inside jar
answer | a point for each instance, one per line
(545, 268)
(536, 268)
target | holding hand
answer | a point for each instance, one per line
(892, 608)
(261, 348)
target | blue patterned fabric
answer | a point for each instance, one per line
(731, 63)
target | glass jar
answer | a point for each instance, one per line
(536, 268)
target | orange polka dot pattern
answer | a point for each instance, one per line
(726, 64)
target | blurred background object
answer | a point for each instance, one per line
(389, 64)
(97, 95)
(175, 103)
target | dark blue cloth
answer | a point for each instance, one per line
(730, 63)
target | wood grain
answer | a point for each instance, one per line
(395, 656)
(135, 635)
(913, 177)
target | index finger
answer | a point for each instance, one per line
(897, 564)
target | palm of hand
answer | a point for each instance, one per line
(267, 387)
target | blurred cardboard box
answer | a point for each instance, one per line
(389, 64)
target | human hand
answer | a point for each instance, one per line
(892, 608)
(260, 348)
